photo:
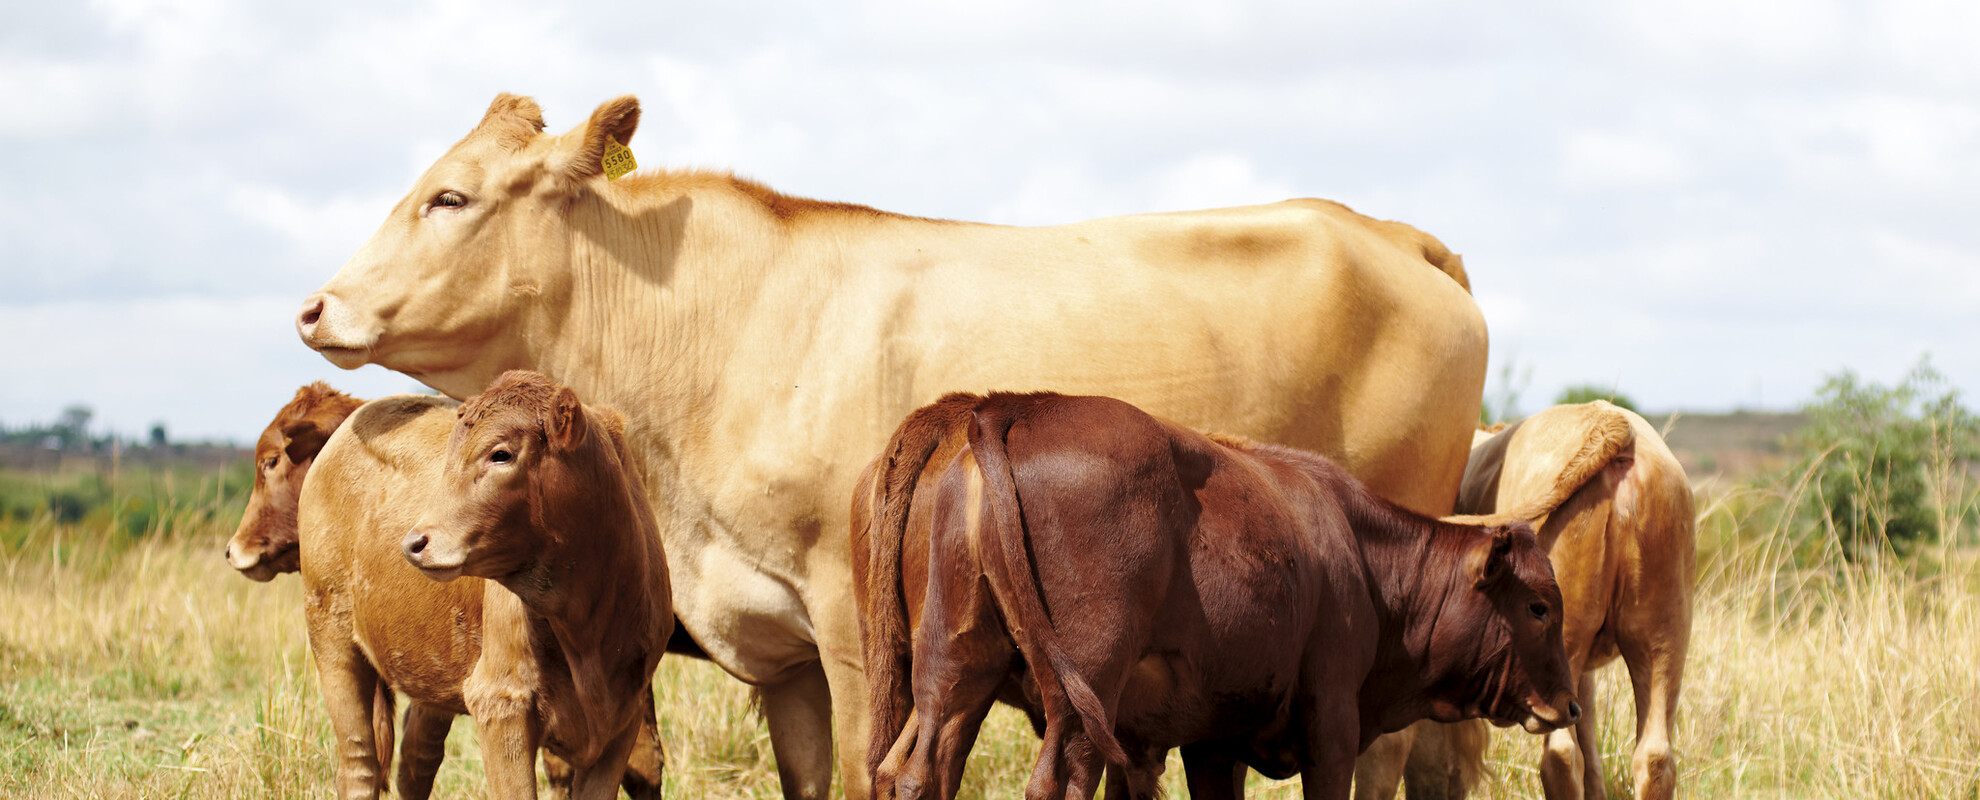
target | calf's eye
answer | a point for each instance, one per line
(501, 456)
(1539, 610)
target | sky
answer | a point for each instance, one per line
(1705, 205)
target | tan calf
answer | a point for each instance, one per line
(1614, 509)
(540, 496)
(373, 620)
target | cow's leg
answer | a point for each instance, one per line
(508, 728)
(1211, 774)
(1655, 676)
(648, 761)
(1333, 735)
(1048, 773)
(382, 703)
(1141, 779)
(1562, 770)
(423, 748)
(1446, 760)
(1592, 787)
(350, 687)
(798, 711)
(839, 652)
(950, 707)
(599, 780)
(559, 774)
(888, 773)
(1379, 769)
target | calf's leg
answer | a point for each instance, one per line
(350, 687)
(423, 748)
(1655, 677)
(648, 760)
(1211, 774)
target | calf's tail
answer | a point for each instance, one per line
(1606, 433)
(382, 706)
(889, 651)
(1059, 680)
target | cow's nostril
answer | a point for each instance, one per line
(311, 312)
(1574, 710)
(416, 543)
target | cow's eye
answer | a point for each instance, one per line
(269, 464)
(501, 456)
(449, 199)
(1539, 610)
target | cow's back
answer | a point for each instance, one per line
(1301, 323)
(364, 493)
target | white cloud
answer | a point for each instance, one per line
(1602, 160)
(1697, 197)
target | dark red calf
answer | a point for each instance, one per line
(1138, 586)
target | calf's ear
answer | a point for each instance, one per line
(581, 156)
(1487, 561)
(306, 439)
(566, 424)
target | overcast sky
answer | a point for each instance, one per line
(1705, 204)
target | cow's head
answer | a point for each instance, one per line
(1501, 637)
(521, 457)
(449, 288)
(265, 543)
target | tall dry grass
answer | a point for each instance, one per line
(152, 670)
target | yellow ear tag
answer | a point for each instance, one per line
(618, 159)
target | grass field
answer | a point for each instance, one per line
(142, 666)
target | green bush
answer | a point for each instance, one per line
(1891, 466)
(1590, 392)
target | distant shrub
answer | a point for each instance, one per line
(1891, 466)
(1590, 392)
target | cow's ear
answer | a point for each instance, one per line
(1488, 560)
(566, 426)
(306, 439)
(513, 107)
(582, 157)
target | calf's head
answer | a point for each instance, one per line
(1499, 637)
(477, 253)
(265, 543)
(520, 458)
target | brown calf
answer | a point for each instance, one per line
(1613, 508)
(373, 620)
(541, 498)
(1139, 586)
(265, 543)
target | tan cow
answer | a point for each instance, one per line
(1614, 509)
(762, 345)
(375, 623)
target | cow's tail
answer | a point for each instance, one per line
(382, 706)
(1031, 626)
(1606, 432)
(889, 650)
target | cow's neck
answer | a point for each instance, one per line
(667, 306)
(599, 591)
(1439, 664)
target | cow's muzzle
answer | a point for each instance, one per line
(421, 552)
(328, 326)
